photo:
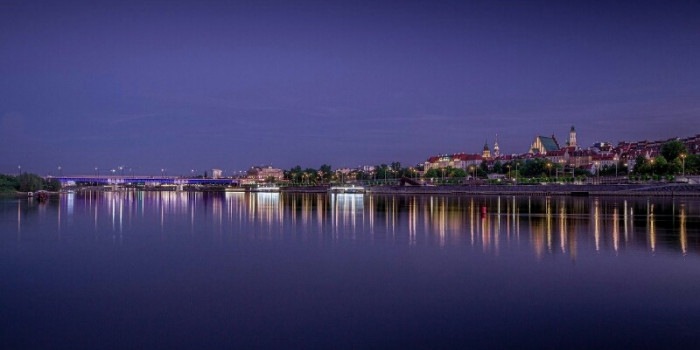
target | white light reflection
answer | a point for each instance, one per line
(121, 216)
(95, 210)
(345, 208)
(19, 221)
(412, 221)
(603, 224)
(267, 207)
(58, 211)
(113, 206)
(508, 221)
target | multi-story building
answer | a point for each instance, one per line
(458, 161)
(560, 156)
(601, 161)
(264, 173)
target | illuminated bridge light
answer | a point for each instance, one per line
(164, 180)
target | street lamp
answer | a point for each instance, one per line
(60, 173)
(97, 173)
(683, 162)
(19, 170)
(549, 167)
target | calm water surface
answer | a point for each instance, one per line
(235, 270)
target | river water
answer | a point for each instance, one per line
(262, 270)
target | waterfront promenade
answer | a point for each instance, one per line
(648, 189)
(644, 190)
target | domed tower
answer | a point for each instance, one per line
(486, 153)
(572, 137)
(496, 150)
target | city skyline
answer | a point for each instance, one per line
(606, 151)
(183, 85)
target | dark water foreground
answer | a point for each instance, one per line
(196, 270)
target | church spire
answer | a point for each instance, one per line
(572, 137)
(496, 149)
(486, 153)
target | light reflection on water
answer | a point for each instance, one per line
(544, 225)
(260, 270)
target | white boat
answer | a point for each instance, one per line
(266, 189)
(347, 189)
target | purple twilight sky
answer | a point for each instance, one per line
(187, 85)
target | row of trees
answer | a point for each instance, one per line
(27, 182)
(297, 175)
(531, 168)
(673, 159)
(534, 168)
(325, 174)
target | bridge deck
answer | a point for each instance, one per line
(163, 180)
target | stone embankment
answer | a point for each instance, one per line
(646, 190)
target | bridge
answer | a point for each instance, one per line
(140, 180)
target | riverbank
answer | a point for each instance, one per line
(638, 190)
(644, 190)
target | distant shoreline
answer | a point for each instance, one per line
(636, 190)
(627, 190)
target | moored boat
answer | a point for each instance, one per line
(347, 189)
(266, 189)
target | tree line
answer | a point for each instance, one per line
(27, 182)
(673, 159)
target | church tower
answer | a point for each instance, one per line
(496, 150)
(572, 137)
(486, 153)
